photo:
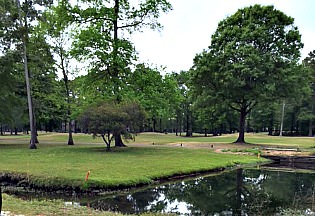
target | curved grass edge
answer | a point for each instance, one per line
(68, 186)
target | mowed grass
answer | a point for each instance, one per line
(57, 164)
(46, 207)
(252, 138)
(33, 207)
(161, 139)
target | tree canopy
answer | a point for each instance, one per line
(250, 69)
(252, 58)
(108, 119)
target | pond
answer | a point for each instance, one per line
(246, 191)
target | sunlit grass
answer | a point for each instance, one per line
(252, 138)
(67, 165)
(54, 163)
(161, 139)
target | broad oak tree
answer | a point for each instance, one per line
(250, 59)
(103, 40)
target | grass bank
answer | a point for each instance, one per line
(44, 207)
(55, 164)
(53, 207)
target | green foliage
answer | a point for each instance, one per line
(13, 33)
(108, 119)
(10, 85)
(308, 109)
(47, 96)
(252, 59)
(102, 37)
(159, 96)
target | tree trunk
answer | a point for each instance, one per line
(282, 118)
(292, 124)
(107, 142)
(75, 126)
(310, 128)
(0, 199)
(66, 83)
(70, 138)
(27, 80)
(154, 124)
(115, 74)
(35, 127)
(270, 127)
(241, 133)
(118, 140)
(310, 125)
(161, 131)
(188, 126)
(176, 129)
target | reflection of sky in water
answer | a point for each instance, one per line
(249, 192)
(172, 206)
(238, 192)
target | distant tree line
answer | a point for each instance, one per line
(245, 81)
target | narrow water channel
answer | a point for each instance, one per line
(262, 191)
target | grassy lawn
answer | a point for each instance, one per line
(259, 139)
(161, 139)
(53, 207)
(56, 164)
(121, 167)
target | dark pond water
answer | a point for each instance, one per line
(238, 192)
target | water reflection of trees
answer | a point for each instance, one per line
(240, 192)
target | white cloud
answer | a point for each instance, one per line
(188, 29)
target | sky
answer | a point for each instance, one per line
(189, 26)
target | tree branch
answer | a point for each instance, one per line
(136, 22)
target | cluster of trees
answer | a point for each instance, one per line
(241, 82)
